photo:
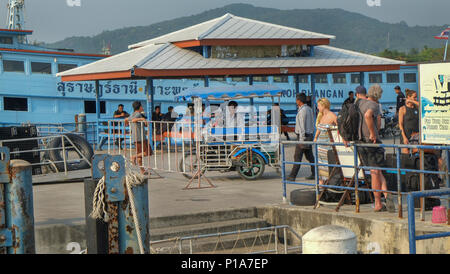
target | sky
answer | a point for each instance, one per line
(54, 20)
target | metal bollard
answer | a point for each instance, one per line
(122, 236)
(81, 125)
(17, 225)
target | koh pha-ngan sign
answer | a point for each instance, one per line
(434, 86)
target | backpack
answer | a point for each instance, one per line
(284, 118)
(350, 122)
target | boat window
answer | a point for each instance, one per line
(321, 78)
(6, 40)
(356, 78)
(15, 104)
(393, 77)
(218, 78)
(89, 107)
(41, 68)
(375, 78)
(239, 79)
(409, 77)
(260, 79)
(281, 79)
(303, 79)
(13, 66)
(64, 67)
(339, 78)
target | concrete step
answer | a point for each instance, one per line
(206, 228)
(201, 218)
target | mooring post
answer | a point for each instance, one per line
(96, 230)
(122, 233)
(81, 125)
(19, 208)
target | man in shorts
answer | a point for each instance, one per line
(138, 122)
(374, 156)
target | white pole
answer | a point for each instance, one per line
(446, 45)
(445, 52)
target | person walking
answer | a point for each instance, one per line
(138, 123)
(304, 128)
(400, 99)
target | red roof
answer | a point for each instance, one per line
(55, 52)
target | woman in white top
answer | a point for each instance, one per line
(326, 119)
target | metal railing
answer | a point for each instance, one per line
(412, 218)
(357, 167)
(198, 244)
(184, 146)
(43, 149)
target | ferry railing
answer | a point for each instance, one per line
(41, 152)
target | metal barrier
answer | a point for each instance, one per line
(16, 206)
(187, 148)
(225, 242)
(412, 221)
(40, 152)
(356, 166)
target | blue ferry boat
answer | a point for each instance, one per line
(30, 91)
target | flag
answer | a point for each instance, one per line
(444, 34)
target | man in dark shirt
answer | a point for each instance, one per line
(157, 115)
(120, 113)
(350, 99)
(400, 98)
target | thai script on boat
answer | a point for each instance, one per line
(114, 88)
(82, 87)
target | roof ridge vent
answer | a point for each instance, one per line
(224, 19)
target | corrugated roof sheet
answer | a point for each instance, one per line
(234, 27)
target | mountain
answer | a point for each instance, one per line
(352, 30)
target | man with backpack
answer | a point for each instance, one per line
(349, 118)
(374, 156)
(365, 113)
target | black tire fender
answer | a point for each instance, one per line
(303, 197)
(79, 142)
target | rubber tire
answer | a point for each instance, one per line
(303, 197)
(81, 144)
(261, 171)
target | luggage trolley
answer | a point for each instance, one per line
(226, 140)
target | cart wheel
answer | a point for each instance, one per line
(188, 166)
(256, 169)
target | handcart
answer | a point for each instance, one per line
(229, 138)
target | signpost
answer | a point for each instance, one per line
(434, 94)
